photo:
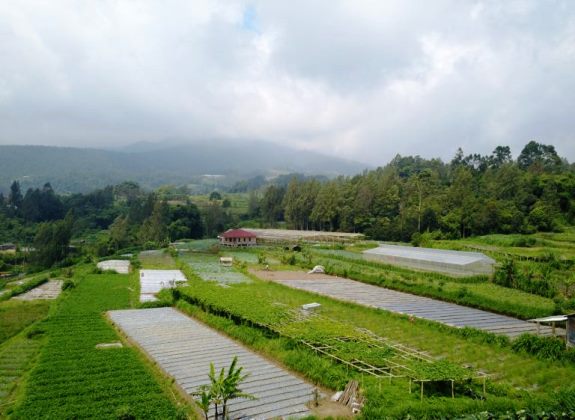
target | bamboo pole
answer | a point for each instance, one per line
(421, 397)
(452, 390)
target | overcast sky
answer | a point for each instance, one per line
(360, 79)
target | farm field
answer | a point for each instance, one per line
(516, 379)
(476, 291)
(16, 357)
(165, 334)
(238, 202)
(74, 379)
(208, 268)
(157, 259)
(17, 315)
(404, 303)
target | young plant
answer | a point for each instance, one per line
(223, 388)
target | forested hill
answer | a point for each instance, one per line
(78, 170)
(470, 195)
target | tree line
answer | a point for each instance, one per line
(470, 195)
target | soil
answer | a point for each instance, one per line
(290, 275)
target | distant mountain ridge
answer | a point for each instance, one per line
(153, 164)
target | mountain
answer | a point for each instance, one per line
(154, 164)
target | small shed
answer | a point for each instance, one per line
(226, 261)
(237, 238)
(553, 320)
(570, 334)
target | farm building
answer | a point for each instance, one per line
(458, 263)
(237, 238)
(7, 248)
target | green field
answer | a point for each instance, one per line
(73, 379)
(238, 202)
(16, 315)
(16, 357)
(157, 260)
(208, 268)
(476, 291)
(517, 380)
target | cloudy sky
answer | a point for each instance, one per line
(362, 79)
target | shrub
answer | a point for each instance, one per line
(68, 284)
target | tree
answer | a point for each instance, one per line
(500, 156)
(52, 242)
(185, 222)
(120, 232)
(223, 388)
(271, 204)
(155, 227)
(215, 196)
(539, 154)
(15, 197)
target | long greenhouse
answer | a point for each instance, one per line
(458, 263)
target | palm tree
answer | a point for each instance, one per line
(230, 386)
(205, 401)
(223, 388)
(216, 388)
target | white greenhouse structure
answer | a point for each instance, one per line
(457, 263)
(117, 266)
(152, 281)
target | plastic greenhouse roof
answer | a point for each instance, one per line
(152, 281)
(429, 254)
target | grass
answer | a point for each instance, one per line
(16, 315)
(73, 379)
(157, 259)
(517, 380)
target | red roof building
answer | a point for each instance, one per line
(237, 238)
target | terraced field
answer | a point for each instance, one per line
(16, 357)
(74, 379)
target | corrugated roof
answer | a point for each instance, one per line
(237, 233)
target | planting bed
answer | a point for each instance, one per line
(184, 348)
(474, 291)
(208, 268)
(15, 358)
(405, 303)
(49, 290)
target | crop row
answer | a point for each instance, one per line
(208, 268)
(74, 379)
(483, 295)
(337, 339)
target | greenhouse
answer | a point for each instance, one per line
(458, 263)
(152, 281)
(117, 266)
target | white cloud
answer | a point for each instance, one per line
(361, 79)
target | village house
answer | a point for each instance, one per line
(237, 238)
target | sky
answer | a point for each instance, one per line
(358, 79)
